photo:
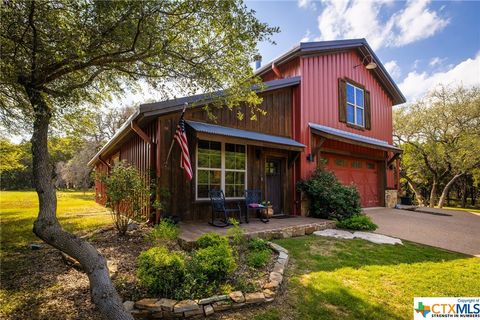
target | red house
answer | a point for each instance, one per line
(326, 101)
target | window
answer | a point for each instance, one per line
(356, 164)
(370, 165)
(355, 105)
(221, 166)
(340, 162)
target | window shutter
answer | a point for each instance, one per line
(368, 117)
(342, 100)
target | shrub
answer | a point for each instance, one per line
(358, 222)
(258, 258)
(211, 239)
(258, 244)
(161, 271)
(166, 230)
(214, 263)
(329, 199)
(236, 233)
(127, 194)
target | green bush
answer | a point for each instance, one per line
(258, 258)
(127, 194)
(329, 199)
(258, 244)
(211, 239)
(161, 271)
(166, 230)
(213, 263)
(358, 222)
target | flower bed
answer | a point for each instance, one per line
(158, 308)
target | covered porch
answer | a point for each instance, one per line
(293, 226)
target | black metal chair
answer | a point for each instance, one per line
(253, 199)
(220, 213)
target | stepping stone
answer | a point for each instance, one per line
(376, 238)
(336, 233)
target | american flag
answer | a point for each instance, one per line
(181, 138)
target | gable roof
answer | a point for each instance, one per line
(360, 45)
(150, 110)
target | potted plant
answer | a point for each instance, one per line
(268, 211)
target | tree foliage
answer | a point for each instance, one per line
(440, 136)
(60, 56)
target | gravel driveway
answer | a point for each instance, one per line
(448, 229)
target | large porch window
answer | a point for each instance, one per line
(222, 166)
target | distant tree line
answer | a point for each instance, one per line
(69, 152)
(440, 138)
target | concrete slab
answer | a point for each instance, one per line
(336, 233)
(376, 238)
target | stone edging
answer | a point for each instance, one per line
(168, 308)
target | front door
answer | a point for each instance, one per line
(274, 190)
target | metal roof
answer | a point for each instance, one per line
(243, 134)
(354, 137)
(161, 107)
(173, 105)
(307, 48)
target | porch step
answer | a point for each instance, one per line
(282, 216)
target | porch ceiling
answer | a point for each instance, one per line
(208, 131)
(353, 138)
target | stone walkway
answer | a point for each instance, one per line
(369, 236)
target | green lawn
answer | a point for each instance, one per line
(356, 279)
(18, 209)
(471, 210)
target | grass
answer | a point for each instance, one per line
(18, 209)
(356, 279)
(471, 210)
(77, 212)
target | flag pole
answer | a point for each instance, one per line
(173, 139)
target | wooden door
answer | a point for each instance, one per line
(274, 184)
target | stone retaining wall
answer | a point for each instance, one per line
(167, 308)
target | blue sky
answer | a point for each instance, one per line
(421, 43)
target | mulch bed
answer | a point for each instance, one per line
(39, 284)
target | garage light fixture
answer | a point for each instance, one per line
(370, 65)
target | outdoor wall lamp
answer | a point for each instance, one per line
(370, 65)
(310, 157)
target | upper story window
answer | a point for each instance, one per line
(221, 166)
(355, 105)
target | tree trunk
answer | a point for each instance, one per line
(47, 227)
(414, 187)
(418, 195)
(464, 193)
(446, 190)
(433, 194)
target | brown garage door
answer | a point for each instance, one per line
(362, 173)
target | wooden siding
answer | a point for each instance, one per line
(181, 202)
(287, 70)
(277, 121)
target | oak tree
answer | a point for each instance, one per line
(440, 136)
(59, 56)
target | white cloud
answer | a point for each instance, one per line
(466, 73)
(393, 68)
(306, 4)
(306, 37)
(366, 19)
(417, 22)
(436, 61)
